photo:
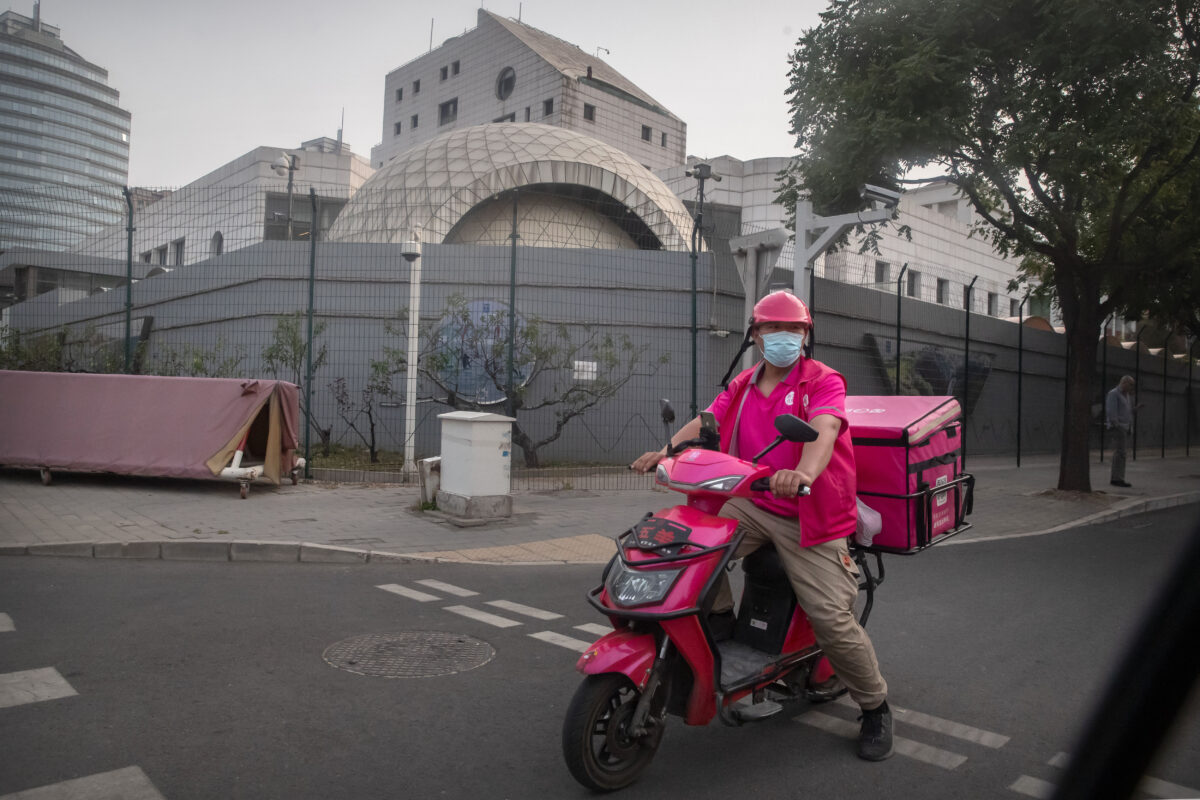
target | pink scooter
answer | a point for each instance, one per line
(663, 656)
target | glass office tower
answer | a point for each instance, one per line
(64, 142)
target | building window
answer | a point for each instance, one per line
(506, 81)
(445, 73)
(453, 67)
(399, 94)
(547, 107)
(412, 121)
(160, 255)
(589, 112)
(967, 298)
(507, 118)
(416, 87)
(396, 129)
(216, 245)
(1014, 308)
(943, 291)
(646, 133)
(147, 256)
(914, 283)
(177, 252)
(527, 113)
(883, 273)
(448, 112)
(993, 304)
(664, 140)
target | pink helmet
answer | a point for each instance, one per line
(781, 306)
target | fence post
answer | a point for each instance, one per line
(308, 367)
(128, 280)
(1020, 368)
(510, 386)
(899, 282)
(1162, 453)
(1187, 447)
(1103, 383)
(967, 366)
(1137, 383)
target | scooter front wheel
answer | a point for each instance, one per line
(599, 749)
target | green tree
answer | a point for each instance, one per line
(286, 358)
(564, 369)
(360, 411)
(1069, 125)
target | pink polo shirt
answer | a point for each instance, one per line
(809, 390)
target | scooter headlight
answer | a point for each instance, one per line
(661, 476)
(633, 587)
(725, 484)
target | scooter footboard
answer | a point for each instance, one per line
(631, 654)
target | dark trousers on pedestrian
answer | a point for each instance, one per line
(1120, 436)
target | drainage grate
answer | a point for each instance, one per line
(409, 654)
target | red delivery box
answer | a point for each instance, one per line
(908, 454)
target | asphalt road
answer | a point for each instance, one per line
(212, 678)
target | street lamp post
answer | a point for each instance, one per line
(702, 173)
(287, 163)
(411, 251)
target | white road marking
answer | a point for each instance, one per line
(33, 686)
(1160, 788)
(129, 783)
(411, 594)
(528, 611)
(448, 588)
(483, 616)
(939, 725)
(6, 624)
(1033, 787)
(595, 627)
(578, 645)
(905, 747)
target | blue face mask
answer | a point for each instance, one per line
(783, 348)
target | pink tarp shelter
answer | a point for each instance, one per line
(149, 425)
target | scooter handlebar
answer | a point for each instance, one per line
(764, 485)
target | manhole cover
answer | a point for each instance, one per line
(410, 654)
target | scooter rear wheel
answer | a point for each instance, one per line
(597, 745)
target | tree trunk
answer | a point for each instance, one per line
(522, 440)
(1074, 471)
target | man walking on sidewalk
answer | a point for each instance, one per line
(1118, 418)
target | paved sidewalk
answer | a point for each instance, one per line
(107, 516)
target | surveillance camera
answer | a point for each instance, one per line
(411, 250)
(878, 194)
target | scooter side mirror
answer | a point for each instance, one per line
(794, 429)
(668, 413)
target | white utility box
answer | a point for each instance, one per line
(476, 464)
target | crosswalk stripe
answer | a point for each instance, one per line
(938, 725)
(448, 588)
(129, 783)
(578, 645)
(483, 616)
(1160, 788)
(6, 624)
(905, 747)
(411, 594)
(595, 628)
(528, 611)
(33, 686)
(1033, 787)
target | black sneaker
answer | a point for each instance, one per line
(875, 736)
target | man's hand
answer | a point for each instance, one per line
(647, 461)
(787, 482)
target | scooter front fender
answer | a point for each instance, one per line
(631, 654)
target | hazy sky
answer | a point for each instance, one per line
(209, 80)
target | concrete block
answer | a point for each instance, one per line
(430, 471)
(264, 551)
(493, 506)
(128, 550)
(68, 549)
(195, 551)
(327, 554)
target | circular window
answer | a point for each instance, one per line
(505, 81)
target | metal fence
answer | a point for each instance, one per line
(574, 321)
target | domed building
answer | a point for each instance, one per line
(570, 190)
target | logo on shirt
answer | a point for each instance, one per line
(791, 397)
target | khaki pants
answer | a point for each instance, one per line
(825, 580)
